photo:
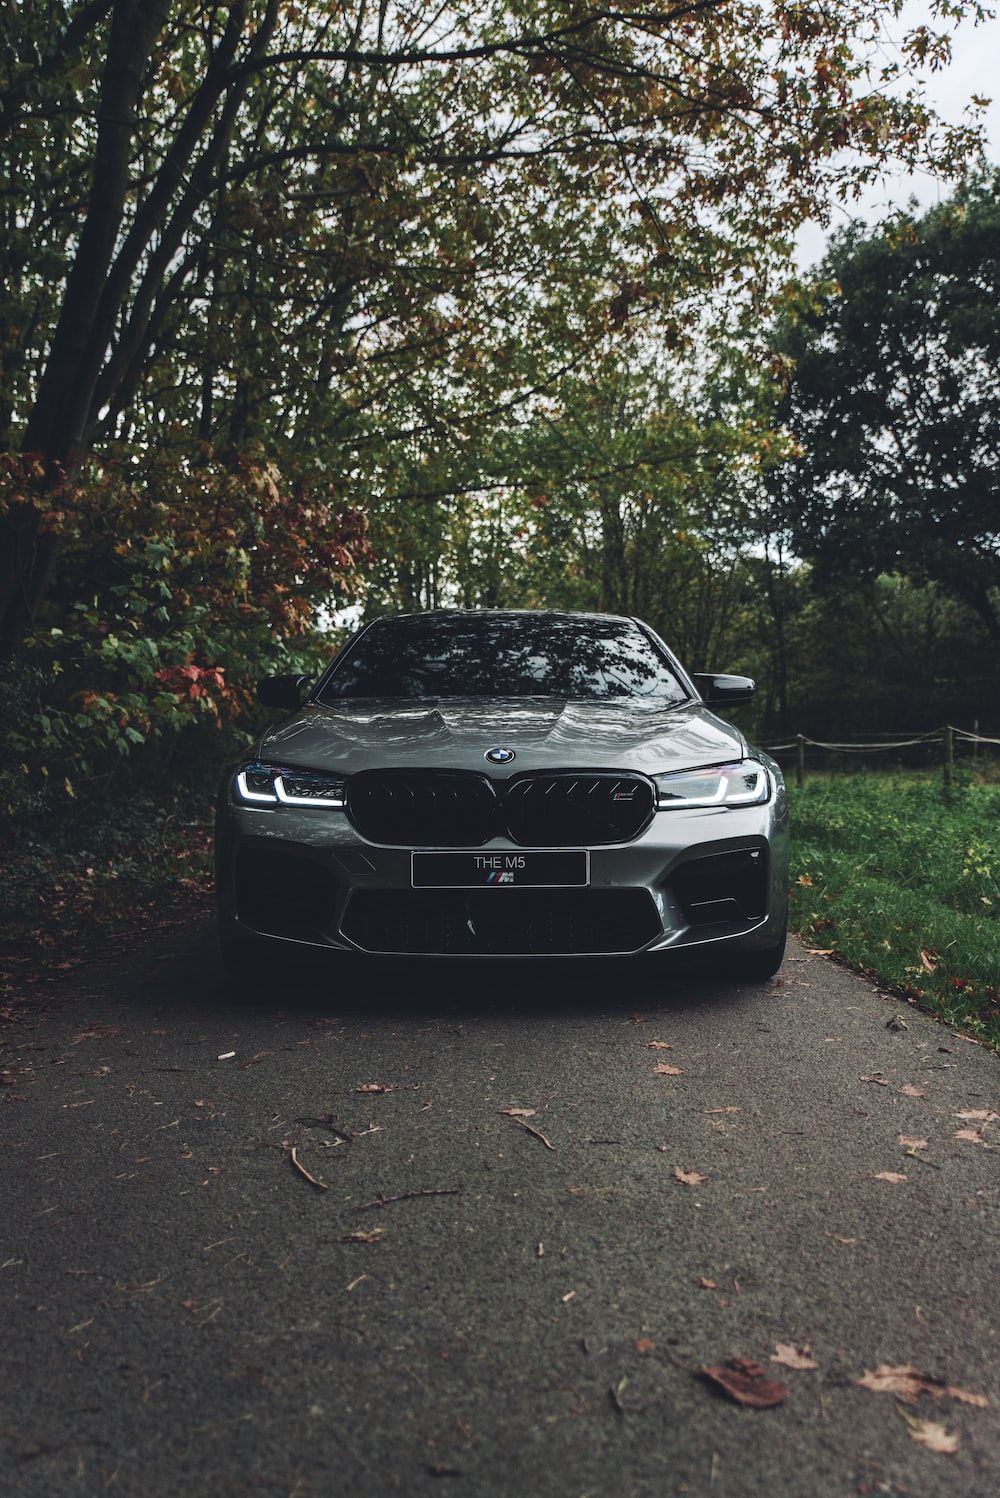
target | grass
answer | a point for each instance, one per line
(902, 881)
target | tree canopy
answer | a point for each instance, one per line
(894, 403)
(308, 304)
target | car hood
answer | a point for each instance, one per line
(544, 733)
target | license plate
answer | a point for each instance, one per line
(541, 870)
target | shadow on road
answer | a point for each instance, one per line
(430, 989)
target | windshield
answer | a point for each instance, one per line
(503, 655)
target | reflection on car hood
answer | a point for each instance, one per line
(544, 733)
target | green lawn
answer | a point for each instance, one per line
(902, 880)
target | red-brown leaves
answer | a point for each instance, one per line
(746, 1382)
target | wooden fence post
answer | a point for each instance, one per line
(947, 756)
(800, 760)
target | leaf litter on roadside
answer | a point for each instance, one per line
(793, 1357)
(932, 1434)
(747, 1383)
(908, 1383)
(688, 1177)
(666, 1070)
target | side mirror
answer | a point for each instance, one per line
(724, 691)
(282, 691)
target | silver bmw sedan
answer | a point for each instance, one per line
(504, 784)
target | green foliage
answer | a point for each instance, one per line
(903, 881)
(176, 590)
(894, 403)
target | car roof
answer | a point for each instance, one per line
(505, 614)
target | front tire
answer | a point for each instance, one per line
(759, 966)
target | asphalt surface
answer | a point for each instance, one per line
(183, 1312)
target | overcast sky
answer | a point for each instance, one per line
(974, 69)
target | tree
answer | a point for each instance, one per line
(894, 403)
(349, 234)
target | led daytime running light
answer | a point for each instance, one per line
(277, 793)
(715, 785)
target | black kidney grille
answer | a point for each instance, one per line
(566, 810)
(439, 808)
(461, 809)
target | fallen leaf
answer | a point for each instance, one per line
(804, 879)
(360, 1235)
(974, 1136)
(708, 1284)
(746, 1382)
(908, 1383)
(570, 1295)
(518, 1112)
(878, 1079)
(889, 1175)
(928, 959)
(821, 951)
(666, 1070)
(913, 1144)
(688, 1177)
(908, 1090)
(793, 1357)
(376, 1087)
(658, 1045)
(896, 1022)
(932, 1435)
(643, 1345)
(981, 1115)
(720, 1110)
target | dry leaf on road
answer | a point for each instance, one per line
(889, 1175)
(658, 1045)
(977, 1115)
(877, 1078)
(518, 1112)
(643, 1345)
(376, 1087)
(907, 1383)
(360, 1235)
(793, 1357)
(908, 1090)
(666, 1070)
(688, 1177)
(913, 1144)
(932, 1435)
(746, 1382)
(973, 1136)
(708, 1284)
(821, 951)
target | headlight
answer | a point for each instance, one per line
(745, 783)
(267, 785)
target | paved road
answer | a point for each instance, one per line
(183, 1312)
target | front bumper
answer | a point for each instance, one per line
(307, 878)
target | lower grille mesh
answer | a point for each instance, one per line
(507, 922)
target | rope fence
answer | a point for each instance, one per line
(945, 737)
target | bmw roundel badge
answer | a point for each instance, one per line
(499, 756)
